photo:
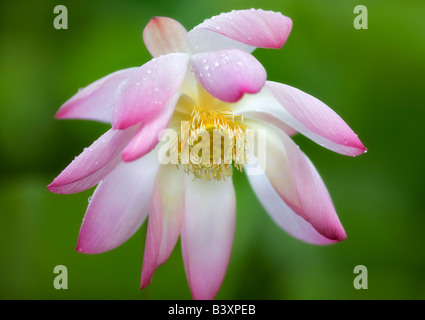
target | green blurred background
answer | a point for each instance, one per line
(373, 78)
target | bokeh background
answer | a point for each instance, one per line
(373, 78)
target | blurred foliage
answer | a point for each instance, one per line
(373, 78)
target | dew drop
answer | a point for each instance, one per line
(149, 71)
(216, 64)
(89, 199)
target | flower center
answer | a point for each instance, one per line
(210, 142)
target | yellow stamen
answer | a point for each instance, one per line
(210, 142)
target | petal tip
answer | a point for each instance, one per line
(85, 249)
(337, 235)
(55, 187)
(359, 149)
(279, 42)
(342, 236)
(50, 187)
(79, 248)
(128, 156)
(60, 114)
(145, 283)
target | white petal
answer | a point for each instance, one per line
(207, 235)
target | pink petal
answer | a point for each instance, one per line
(298, 183)
(165, 219)
(315, 200)
(282, 214)
(262, 106)
(94, 163)
(149, 133)
(313, 118)
(207, 234)
(119, 205)
(228, 74)
(203, 40)
(94, 102)
(165, 35)
(255, 28)
(147, 91)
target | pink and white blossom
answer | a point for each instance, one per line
(204, 77)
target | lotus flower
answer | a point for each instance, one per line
(198, 82)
